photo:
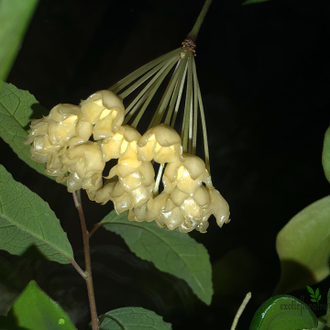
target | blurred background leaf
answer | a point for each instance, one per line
(303, 246)
(15, 16)
(326, 154)
(33, 309)
(250, 2)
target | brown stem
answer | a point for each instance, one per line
(78, 269)
(88, 265)
(94, 229)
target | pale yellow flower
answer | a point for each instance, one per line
(161, 144)
(76, 142)
(105, 111)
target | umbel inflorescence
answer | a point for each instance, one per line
(76, 143)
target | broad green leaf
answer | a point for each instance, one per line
(14, 18)
(33, 310)
(326, 154)
(283, 312)
(26, 219)
(250, 2)
(15, 112)
(133, 318)
(303, 246)
(170, 251)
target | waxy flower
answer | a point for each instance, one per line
(76, 143)
(161, 144)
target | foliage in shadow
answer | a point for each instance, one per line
(294, 277)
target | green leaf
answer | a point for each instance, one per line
(133, 318)
(250, 2)
(33, 310)
(319, 297)
(303, 246)
(326, 154)
(283, 312)
(26, 219)
(310, 290)
(170, 251)
(15, 112)
(14, 18)
(322, 323)
(317, 292)
(313, 300)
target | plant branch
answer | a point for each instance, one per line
(77, 268)
(95, 228)
(88, 265)
(194, 32)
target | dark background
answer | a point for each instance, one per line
(264, 74)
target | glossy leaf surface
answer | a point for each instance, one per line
(283, 312)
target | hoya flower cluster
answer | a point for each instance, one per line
(76, 142)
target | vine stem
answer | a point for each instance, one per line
(240, 310)
(194, 31)
(88, 272)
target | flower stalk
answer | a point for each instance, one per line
(88, 265)
(200, 19)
